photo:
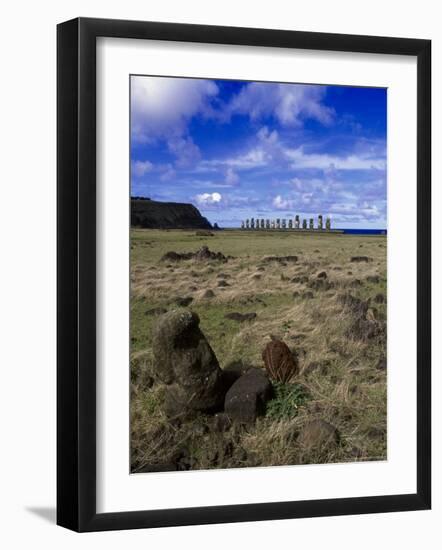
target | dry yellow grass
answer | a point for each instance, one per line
(338, 366)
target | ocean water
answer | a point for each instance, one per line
(364, 231)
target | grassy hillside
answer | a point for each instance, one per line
(342, 376)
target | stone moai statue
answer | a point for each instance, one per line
(278, 223)
(311, 223)
(304, 224)
(252, 223)
(297, 221)
(284, 224)
(247, 223)
(267, 223)
(273, 224)
(263, 223)
(328, 224)
(290, 224)
(320, 226)
(242, 224)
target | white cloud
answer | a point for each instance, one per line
(290, 104)
(168, 172)
(140, 168)
(186, 152)
(282, 204)
(207, 199)
(324, 161)
(231, 177)
(161, 107)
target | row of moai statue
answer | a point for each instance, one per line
(286, 224)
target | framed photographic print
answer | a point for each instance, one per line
(243, 274)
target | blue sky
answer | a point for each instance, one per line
(238, 150)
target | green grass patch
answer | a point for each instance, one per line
(286, 401)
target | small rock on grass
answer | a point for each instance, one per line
(360, 259)
(382, 363)
(156, 311)
(240, 317)
(183, 301)
(379, 299)
(318, 434)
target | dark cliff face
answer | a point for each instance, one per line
(166, 215)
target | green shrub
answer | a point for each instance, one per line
(286, 401)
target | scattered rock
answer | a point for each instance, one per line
(373, 279)
(300, 279)
(308, 295)
(379, 299)
(360, 259)
(376, 432)
(356, 452)
(322, 275)
(156, 311)
(355, 283)
(318, 434)
(296, 294)
(279, 361)
(172, 256)
(364, 326)
(260, 268)
(204, 233)
(240, 317)
(184, 301)
(209, 293)
(279, 259)
(221, 422)
(184, 360)
(357, 306)
(202, 254)
(320, 284)
(223, 276)
(382, 363)
(246, 399)
(222, 283)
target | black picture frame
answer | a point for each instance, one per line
(76, 274)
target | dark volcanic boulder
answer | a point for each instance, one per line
(184, 360)
(166, 215)
(247, 397)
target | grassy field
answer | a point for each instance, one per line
(342, 376)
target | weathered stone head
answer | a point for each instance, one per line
(184, 360)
